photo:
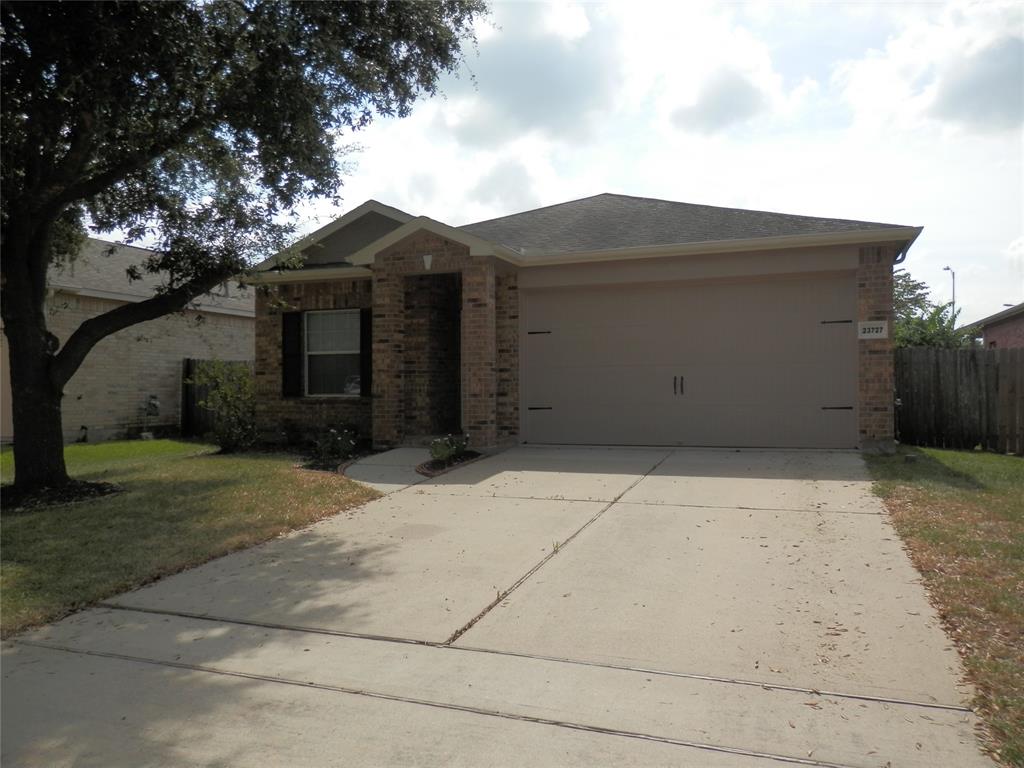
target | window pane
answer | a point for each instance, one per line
(332, 331)
(333, 375)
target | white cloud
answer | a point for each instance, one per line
(565, 109)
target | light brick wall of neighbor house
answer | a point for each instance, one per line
(279, 418)
(875, 381)
(108, 393)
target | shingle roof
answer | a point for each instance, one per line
(610, 221)
(102, 266)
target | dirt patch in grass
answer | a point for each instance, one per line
(15, 501)
(961, 515)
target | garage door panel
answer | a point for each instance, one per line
(747, 363)
(608, 386)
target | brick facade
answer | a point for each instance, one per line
(478, 347)
(875, 364)
(425, 371)
(1005, 334)
(415, 361)
(432, 363)
(287, 419)
(507, 340)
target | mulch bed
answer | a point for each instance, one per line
(436, 467)
(17, 502)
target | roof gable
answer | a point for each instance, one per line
(336, 241)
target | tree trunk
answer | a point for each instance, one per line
(38, 433)
(35, 395)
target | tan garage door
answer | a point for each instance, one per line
(768, 362)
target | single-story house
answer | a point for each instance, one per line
(611, 320)
(131, 381)
(1003, 329)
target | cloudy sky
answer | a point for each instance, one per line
(908, 114)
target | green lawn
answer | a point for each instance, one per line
(961, 514)
(182, 505)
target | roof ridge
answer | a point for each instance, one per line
(534, 210)
(704, 206)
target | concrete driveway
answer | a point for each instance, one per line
(544, 606)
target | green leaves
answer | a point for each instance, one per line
(921, 323)
(202, 121)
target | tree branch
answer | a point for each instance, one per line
(95, 329)
(93, 185)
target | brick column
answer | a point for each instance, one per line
(875, 356)
(507, 340)
(388, 349)
(479, 354)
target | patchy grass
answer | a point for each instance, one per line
(961, 514)
(182, 505)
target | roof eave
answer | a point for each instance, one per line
(306, 275)
(886, 235)
(999, 317)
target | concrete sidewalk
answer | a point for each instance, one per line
(389, 471)
(544, 606)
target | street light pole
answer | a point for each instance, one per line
(953, 275)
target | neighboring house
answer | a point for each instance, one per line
(607, 320)
(110, 395)
(1003, 329)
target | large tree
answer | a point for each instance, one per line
(195, 124)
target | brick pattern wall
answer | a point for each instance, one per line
(432, 366)
(875, 380)
(412, 371)
(507, 337)
(288, 418)
(1005, 335)
(109, 392)
(478, 347)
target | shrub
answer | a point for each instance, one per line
(231, 398)
(448, 448)
(332, 446)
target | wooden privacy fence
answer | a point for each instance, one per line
(196, 421)
(961, 398)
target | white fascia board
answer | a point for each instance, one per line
(309, 275)
(370, 206)
(887, 235)
(477, 245)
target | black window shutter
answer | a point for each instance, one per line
(291, 354)
(365, 352)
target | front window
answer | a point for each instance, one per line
(332, 352)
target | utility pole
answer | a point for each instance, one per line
(953, 274)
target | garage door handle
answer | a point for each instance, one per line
(674, 386)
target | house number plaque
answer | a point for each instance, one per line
(873, 330)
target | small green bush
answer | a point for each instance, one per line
(332, 446)
(231, 397)
(448, 448)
